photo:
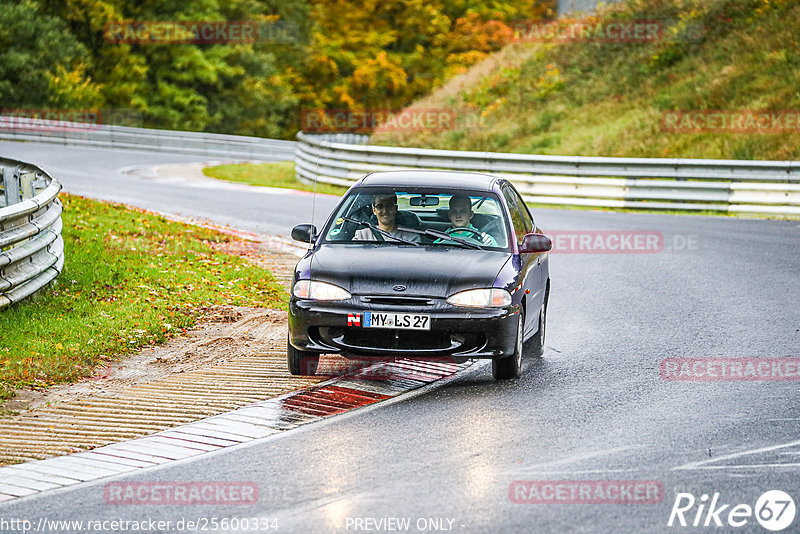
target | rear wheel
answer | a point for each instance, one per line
(301, 362)
(509, 367)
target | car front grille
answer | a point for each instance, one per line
(396, 339)
(369, 340)
(397, 301)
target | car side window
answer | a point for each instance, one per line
(526, 214)
(519, 214)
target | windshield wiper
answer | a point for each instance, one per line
(448, 237)
(442, 235)
(382, 232)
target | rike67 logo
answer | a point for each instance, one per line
(774, 510)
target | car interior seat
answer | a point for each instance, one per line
(494, 227)
(408, 219)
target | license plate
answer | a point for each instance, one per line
(402, 321)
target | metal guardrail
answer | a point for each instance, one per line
(126, 137)
(31, 248)
(771, 187)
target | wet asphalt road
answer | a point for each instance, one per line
(101, 173)
(593, 408)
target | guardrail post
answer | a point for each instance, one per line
(39, 183)
(26, 185)
(11, 185)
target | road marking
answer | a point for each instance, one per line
(699, 464)
(129, 455)
(26, 482)
(198, 438)
(185, 443)
(585, 471)
(235, 427)
(198, 430)
(580, 457)
(118, 460)
(16, 491)
(94, 462)
(46, 467)
(43, 477)
(741, 466)
(145, 446)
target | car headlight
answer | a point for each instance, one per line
(481, 298)
(314, 290)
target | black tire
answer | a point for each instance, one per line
(301, 363)
(535, 345)
(509, 367)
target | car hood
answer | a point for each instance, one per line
(425, 271)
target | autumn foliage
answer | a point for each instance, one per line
(349, 54)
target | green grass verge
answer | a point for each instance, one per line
(131, 279)
(279, 174)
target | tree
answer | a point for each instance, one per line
(41, 64)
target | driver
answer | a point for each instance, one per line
(460, 214)
(385, 209)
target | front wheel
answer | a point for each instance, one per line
(535, 346)
(510, 366)
(301, 362)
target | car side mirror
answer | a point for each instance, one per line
(532, 243)
(306, 233)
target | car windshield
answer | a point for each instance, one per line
(429, 217)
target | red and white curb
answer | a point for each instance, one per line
(350, 390)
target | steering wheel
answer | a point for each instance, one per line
(478, 233)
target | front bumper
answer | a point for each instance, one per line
(322, 327)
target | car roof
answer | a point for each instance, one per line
(449, 179)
